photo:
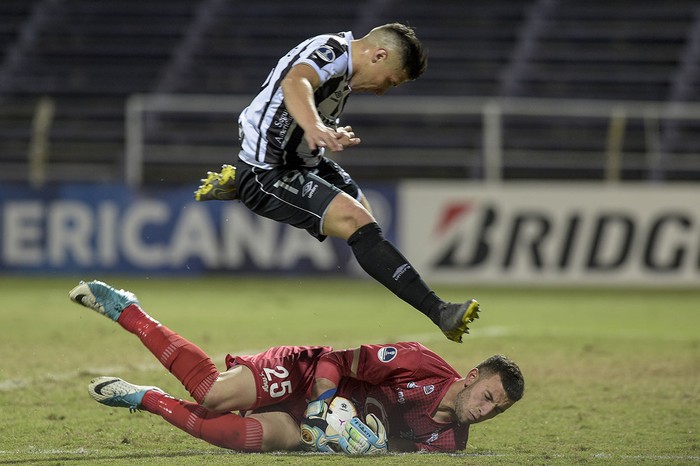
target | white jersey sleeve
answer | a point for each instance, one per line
(270, 136)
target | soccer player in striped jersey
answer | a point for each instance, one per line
(409, 397)
(283, 173)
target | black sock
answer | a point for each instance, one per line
(383, 262)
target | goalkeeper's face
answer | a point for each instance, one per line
(481, 398)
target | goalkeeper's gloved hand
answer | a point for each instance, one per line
(360, 438)
(316, 434)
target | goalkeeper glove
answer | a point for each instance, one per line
(360, 438)
(316, 434)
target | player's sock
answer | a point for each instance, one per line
(383, 262)
(185, 360)
(225, 430)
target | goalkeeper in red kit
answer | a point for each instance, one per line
(405, 397)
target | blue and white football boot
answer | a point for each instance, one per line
(113, 391)
(102, 298)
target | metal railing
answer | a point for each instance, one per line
(494, 119)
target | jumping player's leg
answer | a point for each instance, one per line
(350, 217)
(346, 218)
(320, 201)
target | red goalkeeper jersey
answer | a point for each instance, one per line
(401, 383)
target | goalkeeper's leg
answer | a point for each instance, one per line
(254, 433)
(183, 359)
(225, 430)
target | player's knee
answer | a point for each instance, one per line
(215, 404)
(356, 222)
(345, 217)
(344, 228)
(281, 431)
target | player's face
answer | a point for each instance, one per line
(379, 75)
(481, 399)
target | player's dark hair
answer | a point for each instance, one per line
(415, 57)
(511, 377)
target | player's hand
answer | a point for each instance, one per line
(316, 434)
(346, 136)
(323, 137)
(358, 438)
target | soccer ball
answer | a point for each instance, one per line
(340, 411)
(323, 437)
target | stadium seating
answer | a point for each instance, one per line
(622, 50)
(89, 56)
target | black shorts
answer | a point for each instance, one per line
(295, 196)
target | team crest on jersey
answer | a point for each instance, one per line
(387, 353)
(325, 53)
(428, 389)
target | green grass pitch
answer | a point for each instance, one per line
(612, 376)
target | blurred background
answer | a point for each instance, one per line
(562, 134)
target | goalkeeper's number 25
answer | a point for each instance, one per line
(278, 389)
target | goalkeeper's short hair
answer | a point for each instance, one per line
(511, 376)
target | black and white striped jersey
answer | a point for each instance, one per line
(270, 137)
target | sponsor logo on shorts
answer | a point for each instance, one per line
(309, 189)
(387, 353)
(433, 437)
(264, 382)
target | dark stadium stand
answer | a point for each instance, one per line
(88, 56)
(599, 49)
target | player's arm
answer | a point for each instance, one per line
(316, 434)
(298, 87)
(331, 367)
(356, 437)
(375, 364)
